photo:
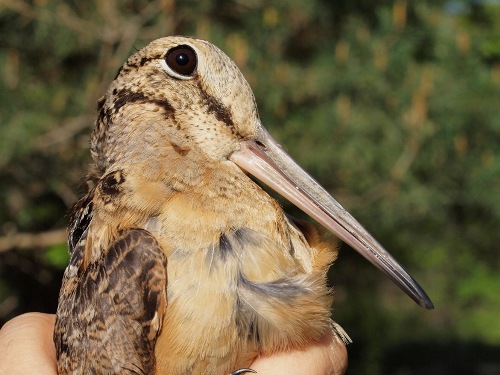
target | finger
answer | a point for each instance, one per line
(328, 357)
(26, 345)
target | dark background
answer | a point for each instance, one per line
(393, 106)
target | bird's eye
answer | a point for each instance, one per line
(182, 60)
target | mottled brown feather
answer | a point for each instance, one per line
(110, 313)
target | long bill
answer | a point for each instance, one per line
(265, 159)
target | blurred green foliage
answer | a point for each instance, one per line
(392, 105)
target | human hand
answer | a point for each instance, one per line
(26, 347)
(328, 357)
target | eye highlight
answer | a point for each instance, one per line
(182, 60)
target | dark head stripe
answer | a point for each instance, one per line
(126, 96)
(220, 111)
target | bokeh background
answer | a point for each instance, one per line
(394, 106)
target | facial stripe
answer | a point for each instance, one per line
(127, 96)
(220, 111)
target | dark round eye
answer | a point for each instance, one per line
(182, 60)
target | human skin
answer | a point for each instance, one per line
(26, 347)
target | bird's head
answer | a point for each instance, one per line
(182, 100)
(183, 92)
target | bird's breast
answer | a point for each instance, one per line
(237, 292)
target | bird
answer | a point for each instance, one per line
(180, 262)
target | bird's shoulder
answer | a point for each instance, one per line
(111, 306)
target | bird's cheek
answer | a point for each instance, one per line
(217, 143)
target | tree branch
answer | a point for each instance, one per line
(32, 240)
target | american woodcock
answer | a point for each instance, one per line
(175, 137)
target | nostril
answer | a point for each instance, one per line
(260, 144)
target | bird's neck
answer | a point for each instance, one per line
(224, 200)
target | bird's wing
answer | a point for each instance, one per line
(110, 312)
